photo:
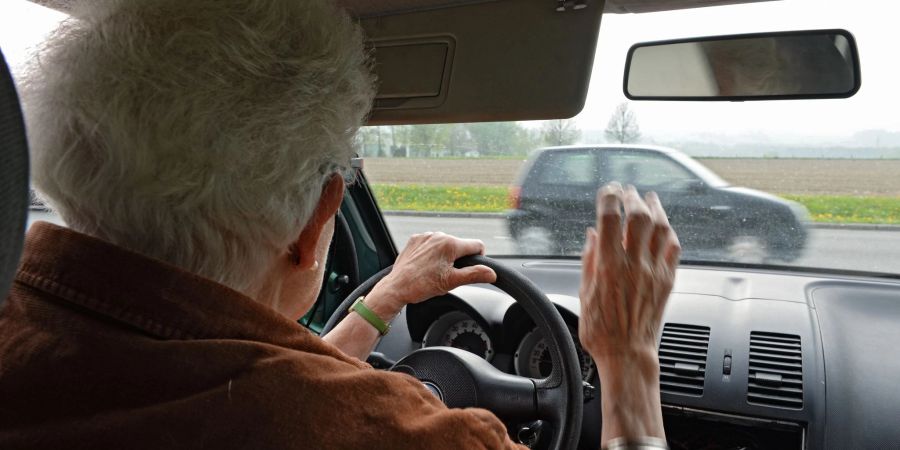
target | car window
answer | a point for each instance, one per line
(804, 183)
(647, 171)
(568, 168)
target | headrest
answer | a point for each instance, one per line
(14, 190)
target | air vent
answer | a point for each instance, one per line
(776, 370)
(682, 359)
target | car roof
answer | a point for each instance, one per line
(641, 147)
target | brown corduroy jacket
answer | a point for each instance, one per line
(102, 348)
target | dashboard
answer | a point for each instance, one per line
(744, 353)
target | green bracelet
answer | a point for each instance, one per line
(360, 308)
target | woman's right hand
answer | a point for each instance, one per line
(626, 279)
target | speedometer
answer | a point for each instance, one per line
(469, 336)
(533, 359)
(457, 329)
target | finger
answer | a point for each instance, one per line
(587, 319)
(465, 247)
(673, 251)
(609, 224)
(588, 263)
(471, 275)
(637, 225)
(660, 235)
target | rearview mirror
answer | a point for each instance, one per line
(764, 66)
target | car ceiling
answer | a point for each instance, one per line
(442, 61)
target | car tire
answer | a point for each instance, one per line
(536, 240)
(748, 249)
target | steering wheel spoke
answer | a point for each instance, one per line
(463, 380)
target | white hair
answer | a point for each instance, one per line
(197, 132)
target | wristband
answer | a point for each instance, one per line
(645, 443)
(360, 308)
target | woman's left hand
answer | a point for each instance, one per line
(424, 269)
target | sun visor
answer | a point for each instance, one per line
(483, 61)
(413, 73)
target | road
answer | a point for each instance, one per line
(864, 250)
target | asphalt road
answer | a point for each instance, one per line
(863, 250)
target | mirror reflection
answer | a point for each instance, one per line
(808, 64)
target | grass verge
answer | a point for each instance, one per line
(414, 197)
(822, 208)
(846, 209)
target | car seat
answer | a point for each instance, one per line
(14, 194)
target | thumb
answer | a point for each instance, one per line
(472, 274)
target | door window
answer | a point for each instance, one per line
(647, 171)
(569, 168)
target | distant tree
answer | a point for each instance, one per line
(494, 138)
(560, 132)
(369, 141)
(623, 126)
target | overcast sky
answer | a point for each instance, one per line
(872, 22)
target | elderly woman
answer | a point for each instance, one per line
(197, 151)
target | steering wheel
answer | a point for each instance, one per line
(462, 379)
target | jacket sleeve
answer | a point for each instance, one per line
(330, 404)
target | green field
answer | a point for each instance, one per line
(443, 198)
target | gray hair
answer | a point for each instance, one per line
(196, 132)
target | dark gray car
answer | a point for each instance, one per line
(553, 203)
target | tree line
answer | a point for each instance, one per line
(489, 139)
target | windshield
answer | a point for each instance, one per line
(806, 183)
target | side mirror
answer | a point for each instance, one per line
(763, 66)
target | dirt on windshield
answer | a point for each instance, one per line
(784, 176)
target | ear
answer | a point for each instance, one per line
(329, 202)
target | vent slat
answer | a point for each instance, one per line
(776, 337)
(675, 359)
(778, 366)
(771, 357)
(681, 388)
(786, 381)
(687, 334)
(682, 359)
(776, 344)
(778, 400)
(686, 354)
(775, 377)
(775, 350)
(774, 390)
(673, 367)
(685, 341)
(683, 347)
(693, 380)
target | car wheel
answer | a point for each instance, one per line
(748, 249)
(536, 240)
